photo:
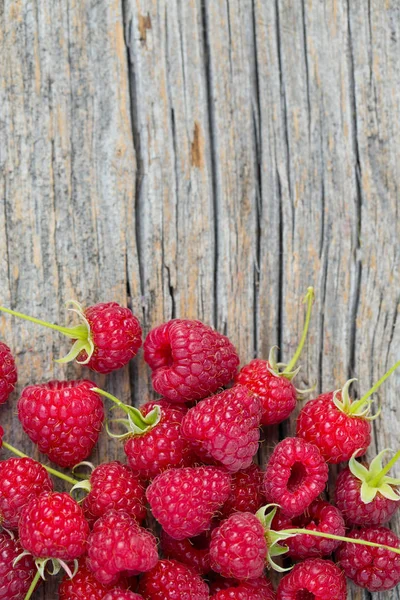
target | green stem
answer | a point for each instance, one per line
(132, 411)
(48, 469)
(376, 480)
(362, 400)
(71, 332)
(32, 586)
(339, 538)
(309, 298)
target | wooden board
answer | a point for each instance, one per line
(207, 159)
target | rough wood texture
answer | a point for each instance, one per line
(205, 159)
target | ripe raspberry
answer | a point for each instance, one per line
(8, 372)
(108, 337)
(246, 492)
(319, 516)
(114, 485)
(53, 526)
(225, 427)
(159, 447)
(15, 580)
(238, 547)
(193, 552)
(314, 578)
(21, 479)
(117, 545)
(170, 580)
(189, 360)
(84, 586)
(366, 496)
(375, 569)
(118, 594)
(184, 501)
(63, 418)
(295, 475)
(255, 589)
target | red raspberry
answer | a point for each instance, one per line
(255, 589)
(84, 586)
(366, 496)
(119, 594)
(375, 569)
(8, 372)
(53, 526)
(238, 547)
(21, 479)
(170, 580)
(319, 516)
(184, 501)
(276, 393)
(63, 418)
(161, 446)
(295, 475)
(225, 427)
(246, 492)
(1, 436)
(314, 578)
(114, 485)
(117, 545)
(108, 337)
(15, 580)
(189, 360)
(193, 552)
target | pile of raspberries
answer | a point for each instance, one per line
(190, 515)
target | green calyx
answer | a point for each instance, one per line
(374, 478)
(362, 407)
(136, 423)
(288, 370)
(80, 333)
(41, 564)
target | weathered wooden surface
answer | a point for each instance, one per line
(205, 159)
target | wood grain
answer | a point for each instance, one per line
(206, 160)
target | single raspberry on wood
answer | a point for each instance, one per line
(8, 372)
(366, 496)
(194, 552)
(319, 516)
(108, 337)
(171, 580)
(189, 360)
(118, 545)
(296, 474)
(21, 479)
(15, 579)
(339, 426)
(375, 569)
(315, 579)
(271, 381)
(225, 428)
(64, 418)
(184, 501)
(247, 494)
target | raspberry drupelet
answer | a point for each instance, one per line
(8, 372)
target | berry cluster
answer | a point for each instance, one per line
(221, 521)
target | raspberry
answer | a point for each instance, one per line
(314, 578)
(15, 580)
(53, 526)
(21, 479)
(114, 485)
(193, 552)
(8, 372)
(375, 569)
(189, 360)
(109, 336)
(184, 501)
(1, 436)
(119, 594)
(366, 496)
(225, 427)
(255, 589)
(160, 447)
(238, 547)
(84, 586)
(319, 516)
(246, 492)
(295, 475)
(117, 545)
(63, 418)
(170, 580)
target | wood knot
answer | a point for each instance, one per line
(144, 25)
(197, 154)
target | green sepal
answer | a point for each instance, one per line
(273, 538)
(374, 478)
(82, 335)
